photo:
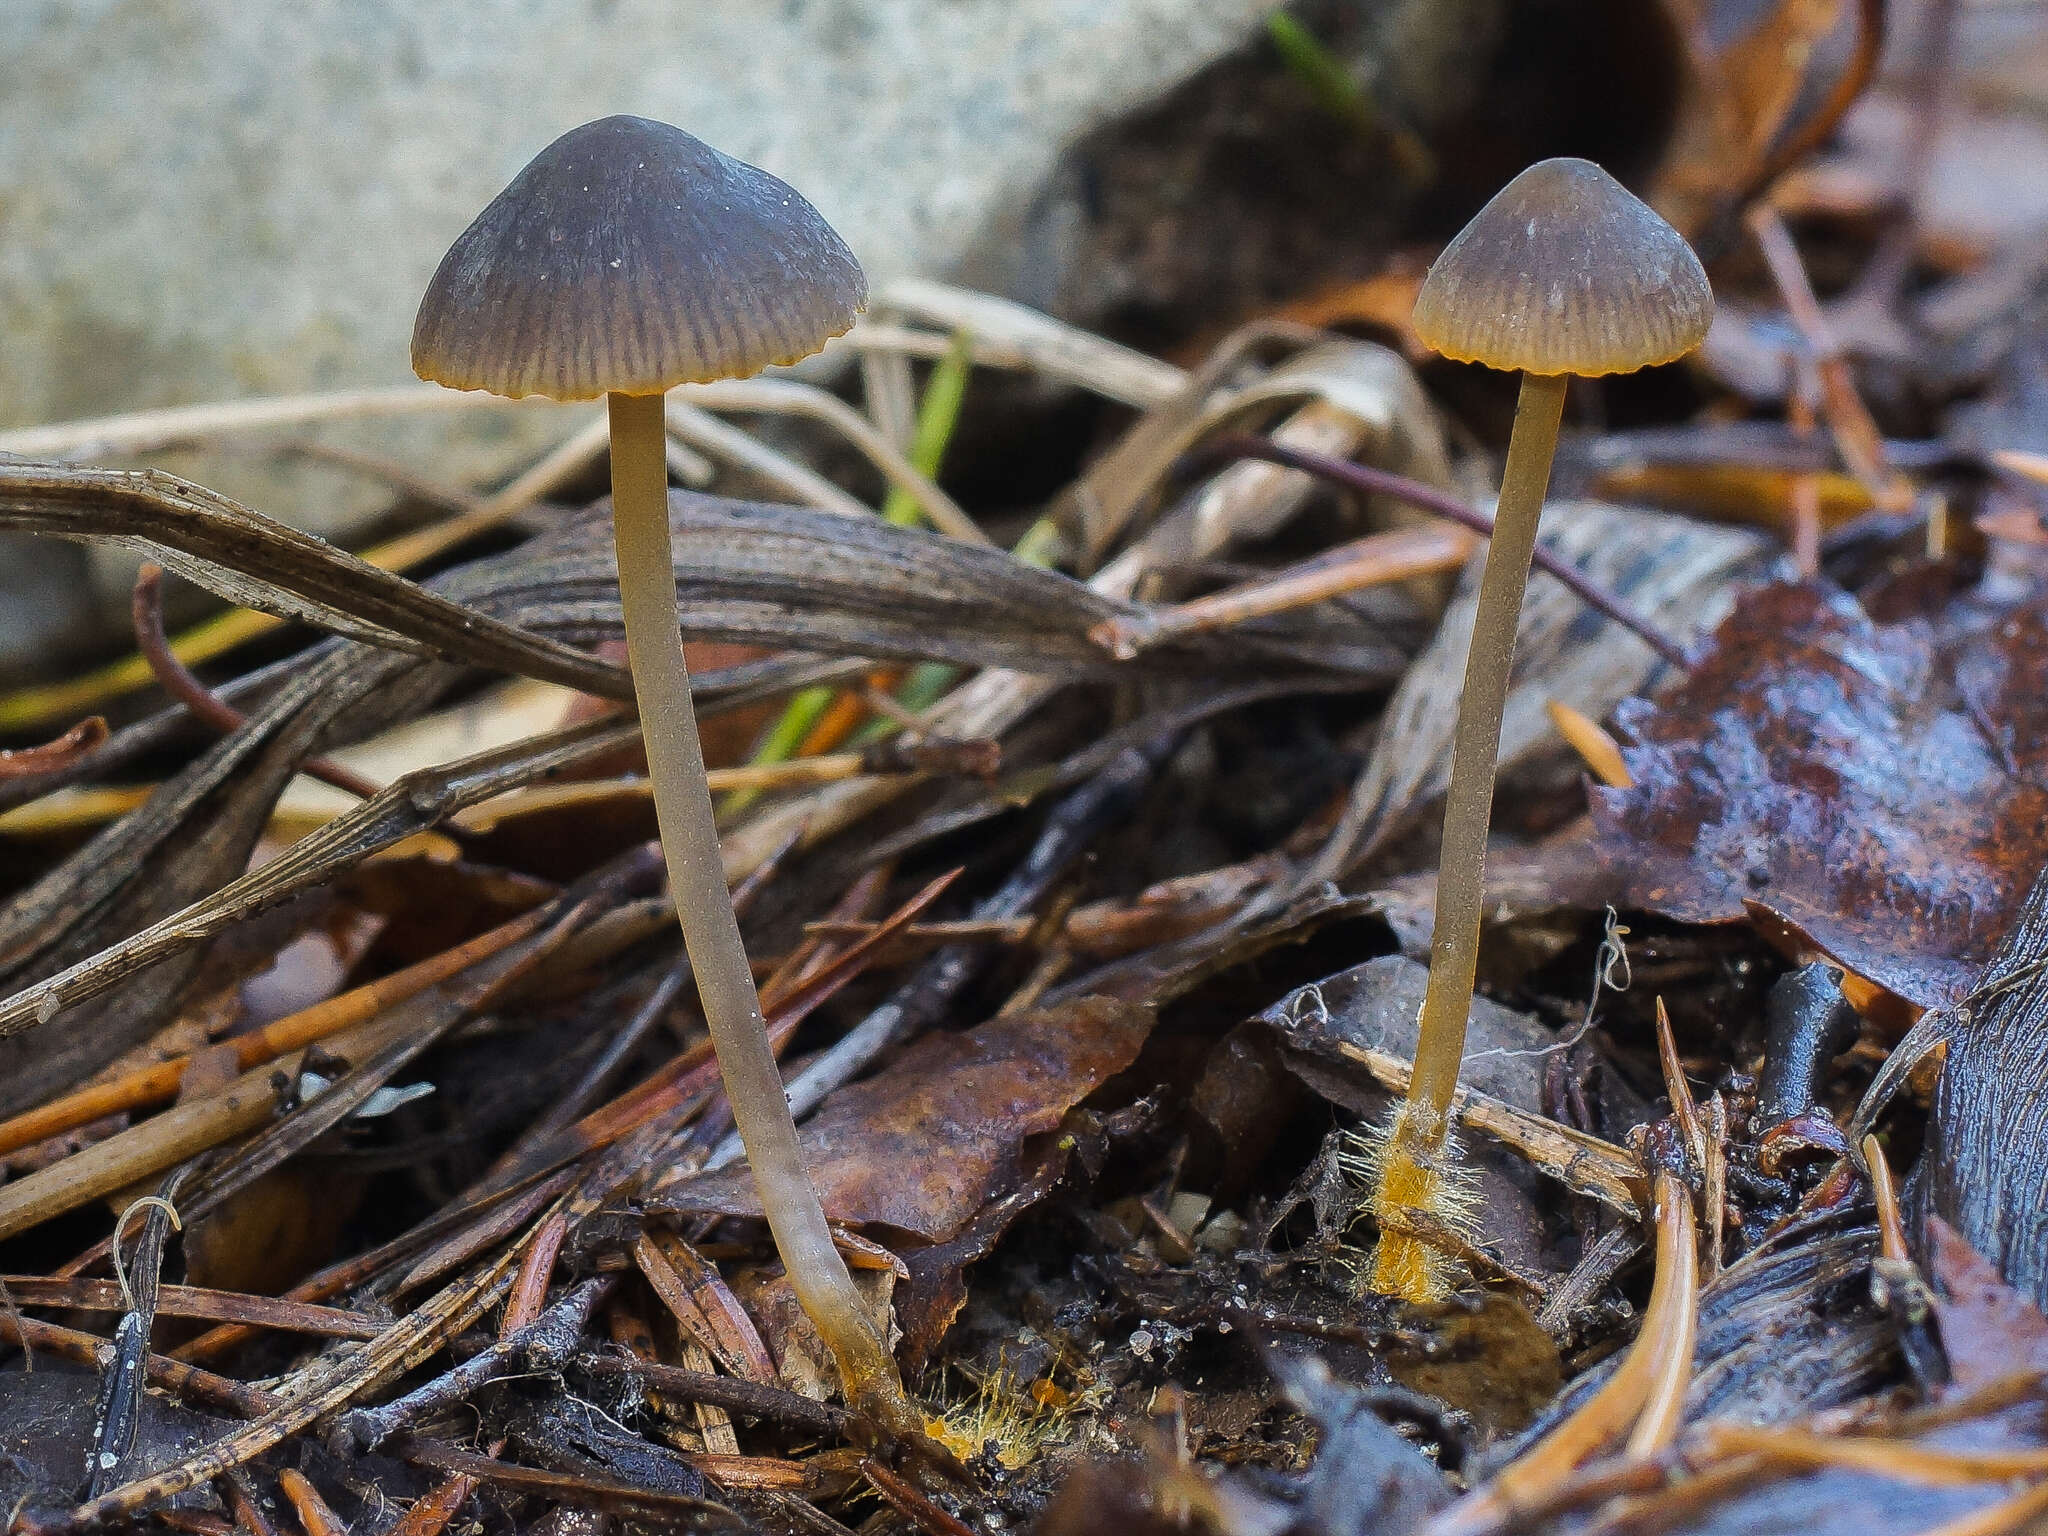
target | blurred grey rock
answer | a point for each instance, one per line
(206, 198)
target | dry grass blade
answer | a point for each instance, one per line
(1366, 382)
(786, 397)
(150, 431)
(723, 441)
(412, 804)
(1008, 334)
(249, 559)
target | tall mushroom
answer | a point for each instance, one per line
(1564, 272)
(627, 258)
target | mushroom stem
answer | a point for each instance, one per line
(711, 934)
(1411, 1174)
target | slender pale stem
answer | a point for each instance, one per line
(1468, 807)
(1412, 1174)
(725, 982)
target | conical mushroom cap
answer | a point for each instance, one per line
(630, 256)
(1565, 271)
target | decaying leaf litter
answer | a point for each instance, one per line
(380, 1141)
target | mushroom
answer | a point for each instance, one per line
(627, 258)
(1564, 272)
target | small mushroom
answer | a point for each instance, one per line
(1564, 272)
(628, 258)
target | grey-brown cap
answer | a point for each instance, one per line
(629, 256)
(1565, 271)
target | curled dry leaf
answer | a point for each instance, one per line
(922, 1146)
(1883, 787)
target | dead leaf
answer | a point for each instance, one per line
(1746, 67)
(1988, 1329)
(926, 1143)
(1883, 787)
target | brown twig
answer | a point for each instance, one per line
(312, 1510)
(1379, 482)
(176, 679)
(542, 1345)
(759, 1400)
(908, 1501)
(196, 1302)
(1855, 435)
(67, 749)
(1891, 1228)
(1376, 560)
(173, 1376)
(584, 1490)
(249, 1515)
(159, 1082)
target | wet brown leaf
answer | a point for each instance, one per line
(1883, 787)
(926, 1143)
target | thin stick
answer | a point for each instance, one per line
(25, 762)
(196, 1302)
(775, 1404)
(1379, 482)
(1884, 1456)
(1376, 560)
(1891, 1228)
(174, 1376)
(147, 609)
(1855, 435)
(156, 1084)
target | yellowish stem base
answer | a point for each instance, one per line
(1416, 1173)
